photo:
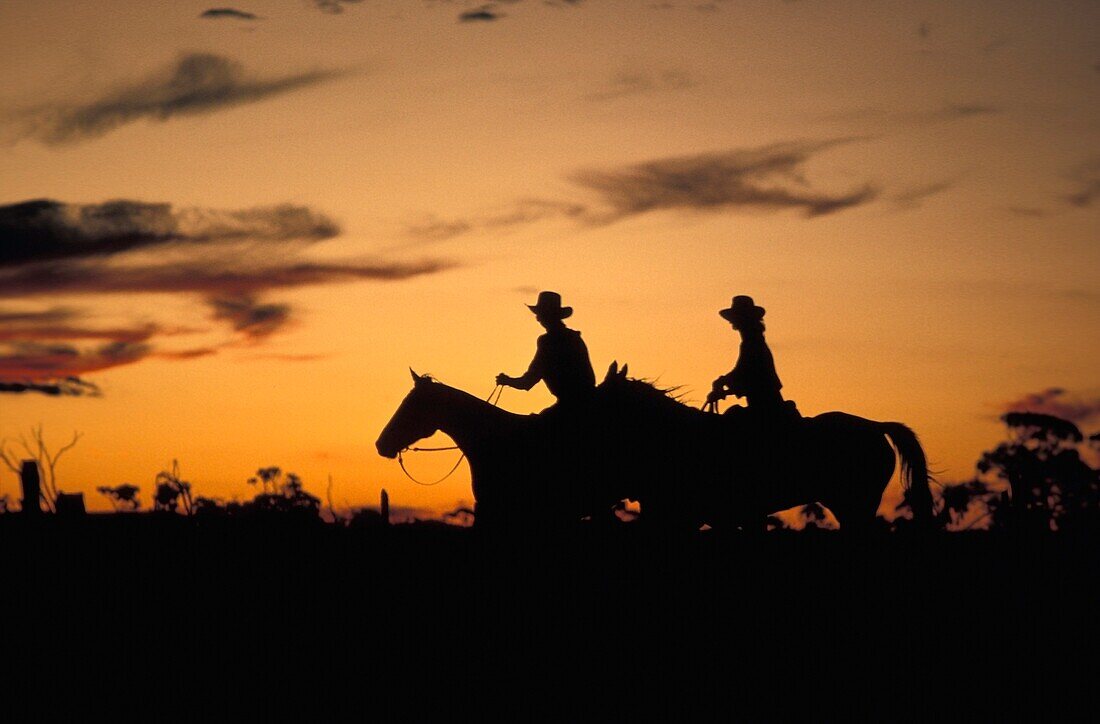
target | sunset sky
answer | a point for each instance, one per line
(306, 198)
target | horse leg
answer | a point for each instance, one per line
(859, 492)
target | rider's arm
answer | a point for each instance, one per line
(531, 377)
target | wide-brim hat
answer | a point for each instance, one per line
(741, 308)
(549, 305)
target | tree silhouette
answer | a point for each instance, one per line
(122, 497)
(172, 491)
(36, 449)
(1051, 486)
(283, 494)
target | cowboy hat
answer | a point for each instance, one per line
(742, 307)
(549, 305)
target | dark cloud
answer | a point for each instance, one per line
(219, 13)
(643, 82)
(187, 354)
(196, 83)
(914, 197)
(254, 320)
(20, 319)
(67, 387)
(1087, 178)
(46, 332)
(219, 277)
(27, 361)
(522, 212)
(227, 257)
(768, 178)
(1059, 403)
(334, 7)
(44, 229)
(485, 13)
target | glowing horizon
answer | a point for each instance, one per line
(318, 201)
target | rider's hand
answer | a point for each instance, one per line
(503, 379)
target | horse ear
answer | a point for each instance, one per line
(612, 370)
(416, 377)
(622, 373)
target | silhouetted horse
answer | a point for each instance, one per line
(733, 470)
(686, 467)
(527, 470)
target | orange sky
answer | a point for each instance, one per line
(910, 189)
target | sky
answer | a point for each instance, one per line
(227, 231)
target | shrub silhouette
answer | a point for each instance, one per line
(122, 497)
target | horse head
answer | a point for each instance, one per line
(413, 420)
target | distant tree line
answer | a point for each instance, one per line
(1040, 479)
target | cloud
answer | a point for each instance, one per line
(254, 320)
(35, 361)
(768, 178)
(229, 258)
(216, 277)
(334, 7)
(196, 83)
(68, 387)
(524, 211)
(485, 13)
(1057, 402)
(914, 197)
(44, 229)
(219, 13)
(46, 332)
(1087, 178)
(629, 83)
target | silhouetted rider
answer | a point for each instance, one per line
(561, 359)
(754, 376)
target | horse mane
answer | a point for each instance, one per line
(662, 399)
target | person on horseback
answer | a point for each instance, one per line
(561, 358)
(754, 376)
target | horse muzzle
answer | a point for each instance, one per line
(386, 450)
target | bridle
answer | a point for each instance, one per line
(498, 391)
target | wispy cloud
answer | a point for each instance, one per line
(334, 7)
(35, 361)
(246, 315)
(913, 197)
(44, 229)
(66, 387)
(1058, 402)
(632, 83)
(243, 277)
(769, 178)
(522, 212)
(227, 258)
(1087, 179)
(231, 13)
(196, 83)
(484, 14)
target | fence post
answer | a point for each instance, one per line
(32, 488)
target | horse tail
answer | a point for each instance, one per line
(914, 470)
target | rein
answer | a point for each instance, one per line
(498, 391)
